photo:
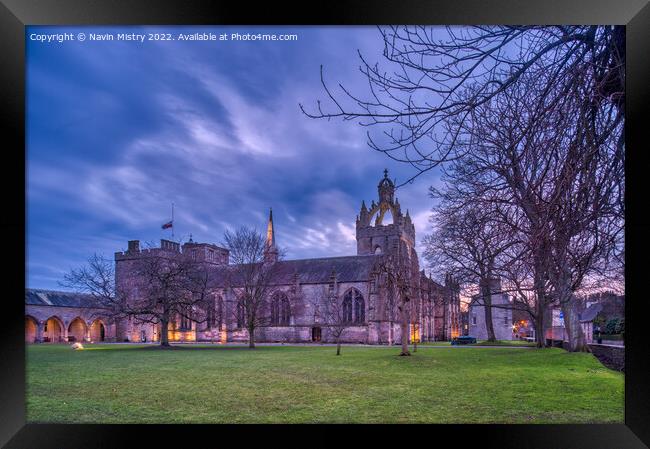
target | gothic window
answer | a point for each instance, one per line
(280, 311)
(186, 323)
(213, 315)
(219, 317)
(359, 309)
(241, 313)
(285, 312)
(354, 307)
(347, 308)
(209, 321)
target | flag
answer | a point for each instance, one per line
(167, 225)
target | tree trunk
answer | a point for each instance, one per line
(540, 306)
(415, 339)
(575, 335)
(539, 331)
(540, 338)
(405, 333)
(164, 332)
(251, 337)
(338, 346)
(487, 306)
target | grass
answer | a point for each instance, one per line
(309, 384)
(483, 343)
(506, 343)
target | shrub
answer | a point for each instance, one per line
(615, 325)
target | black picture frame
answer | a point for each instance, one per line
(16, 14)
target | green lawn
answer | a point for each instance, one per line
(309, 384)
(505, 343)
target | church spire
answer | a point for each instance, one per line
(270, 251)
(270, 234)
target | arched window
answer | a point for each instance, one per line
(241, 315)
(354, 307)
(210, 317)
(347, 308)
(280, 310)
(219, 320)
(359, 309)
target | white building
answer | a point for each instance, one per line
(501, 314)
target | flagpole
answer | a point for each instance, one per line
(172, 221)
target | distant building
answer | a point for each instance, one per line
(558, 332)
(613, 305)
(502, 322)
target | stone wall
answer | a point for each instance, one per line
(612, 357)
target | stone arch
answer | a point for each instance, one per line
(97, 330)
(53, 330)
(77, 330)
(377, 250)
(383, 214)
(31, 329)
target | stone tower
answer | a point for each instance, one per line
(377, 236)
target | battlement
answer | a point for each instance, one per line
(207, 252)
(203, 252)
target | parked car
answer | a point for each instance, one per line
(464, 340)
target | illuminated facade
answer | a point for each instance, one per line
(299, 287)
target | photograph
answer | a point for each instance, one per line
(247, 224)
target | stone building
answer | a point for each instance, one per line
(57, 317)
(502, 322)
(300, 287)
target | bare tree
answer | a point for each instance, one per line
(97, 279)
(251, 275)
(399, 270)
(434, 75)
(162, 286)
(468, 242)
(557, 186)
(331, 311)
(167, 286)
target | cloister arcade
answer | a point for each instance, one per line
(58, 328)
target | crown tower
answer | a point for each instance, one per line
(377, 237)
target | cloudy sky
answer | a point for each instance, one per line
(117, 131)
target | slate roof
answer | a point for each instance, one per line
(590, 313)
(38, 297)
(317, 271)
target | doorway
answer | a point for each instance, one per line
(315, 334)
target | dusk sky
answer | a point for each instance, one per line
(117, 131)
